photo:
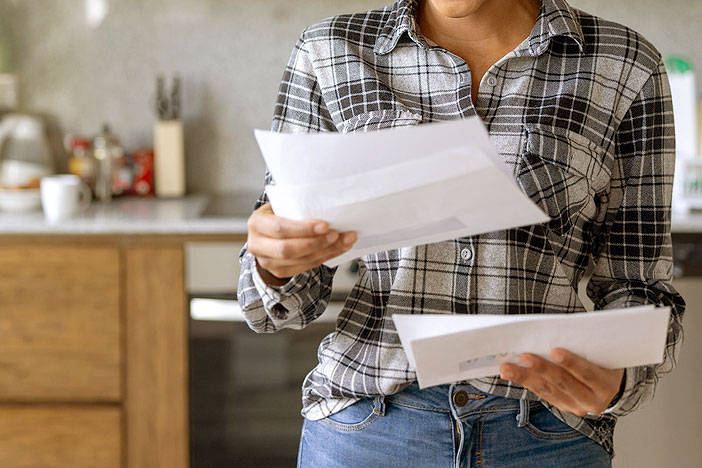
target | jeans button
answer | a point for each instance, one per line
(460, 398)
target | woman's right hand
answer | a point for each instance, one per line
(284, 248)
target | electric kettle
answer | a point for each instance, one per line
(25, 150)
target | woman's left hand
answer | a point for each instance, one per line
(573, 384)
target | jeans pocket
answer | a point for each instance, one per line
(543, 424)
(357, 416)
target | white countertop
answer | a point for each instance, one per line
(192, 214)
(133, 215)
(687, 223)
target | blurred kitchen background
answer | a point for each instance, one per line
(79, 64)
(93, 61)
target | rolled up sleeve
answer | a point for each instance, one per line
(633, 262)
(300, 107)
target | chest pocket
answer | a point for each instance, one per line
(378, 120)
(565, 174)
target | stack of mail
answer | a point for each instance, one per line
(398, 187)
(449, 348)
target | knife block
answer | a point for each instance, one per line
(169, 159)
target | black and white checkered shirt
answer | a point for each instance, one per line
(581, 112)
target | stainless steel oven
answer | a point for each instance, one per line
(245, 387)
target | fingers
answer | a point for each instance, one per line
(264, 221)
(289, 267)
(571, 384)
(291, 249)
(552, 383)
(284, 248)
(605, 383)
(344, 242)
(580, 368)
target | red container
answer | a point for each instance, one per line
(143, 182)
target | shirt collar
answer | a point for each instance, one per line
(557, 18)
(401, 20)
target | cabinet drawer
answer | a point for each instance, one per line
(60, 323)
(58, 437)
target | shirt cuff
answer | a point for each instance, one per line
(279, 300)
(628, 385)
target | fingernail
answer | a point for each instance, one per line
(349, 238)
(320, 228)
(332, 236)
(526, 362)
(557, 356)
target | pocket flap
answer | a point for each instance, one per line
(380, 119)
(568, 150)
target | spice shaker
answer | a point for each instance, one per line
(107, 151)
(81, 161)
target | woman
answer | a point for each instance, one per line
(580, 109)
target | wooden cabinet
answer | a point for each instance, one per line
(157, 358)
(61, 356)
(60, 324)
(94, 351)
(76, 436)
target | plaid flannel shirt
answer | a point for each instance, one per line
(581, 112)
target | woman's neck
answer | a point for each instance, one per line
(481, 32)
(490, 24)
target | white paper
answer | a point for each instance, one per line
(399, 187)
(450, 348)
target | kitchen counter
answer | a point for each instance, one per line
(689, 223)
(189, 215)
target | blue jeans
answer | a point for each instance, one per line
(446, 426)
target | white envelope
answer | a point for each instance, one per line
(396, 188)
(450, 348)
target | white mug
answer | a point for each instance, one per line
(63, 196)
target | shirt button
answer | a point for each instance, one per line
(280, 312)
(460, 398)
(466, 254)
(491, 81)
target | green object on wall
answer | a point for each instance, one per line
(678, 65)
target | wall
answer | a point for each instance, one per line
(231, 55)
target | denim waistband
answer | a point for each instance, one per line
(440, 397)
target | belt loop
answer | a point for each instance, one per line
(523, 416)
(379, 405)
